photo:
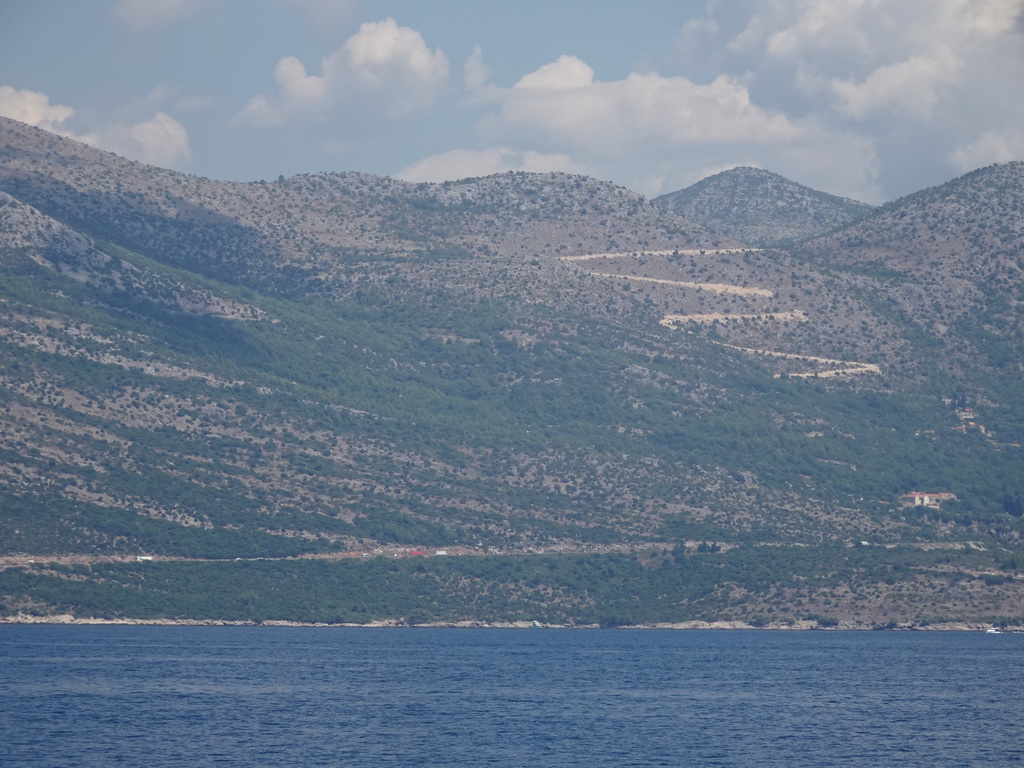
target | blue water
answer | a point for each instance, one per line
(230, 696)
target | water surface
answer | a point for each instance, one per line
(97, 696)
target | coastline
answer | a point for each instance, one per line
(799, 626)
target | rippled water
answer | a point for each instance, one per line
(229, 696)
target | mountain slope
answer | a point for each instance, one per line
(761, 208)
(949, 260)
(337, 364)
(309, 223)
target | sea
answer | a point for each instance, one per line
(97, 696)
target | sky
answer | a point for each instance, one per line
(868, 99)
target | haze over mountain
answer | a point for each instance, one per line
(761, 208)
(336, 364)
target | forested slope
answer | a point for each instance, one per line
(341, 364)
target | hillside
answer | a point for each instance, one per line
(339, 365)
(761, 208)
(950, 261)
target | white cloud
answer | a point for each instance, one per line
(991, 147)
(384, 55)
(144, 14)
(645, 130)
(849, 36)
(875, 55)
(562, 105)
(655, 133)
(917, 81)
(564, 73)
(475, 72)
(299, 93)
(384, 69)
(144, 130)
(834, 25)
(32, 108)
(994, 17)
(466, 163)
(910, 88)
(160, 140)
(864, 98)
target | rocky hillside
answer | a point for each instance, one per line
(948, 261)
(761, 208)
(338, 364)
(306, 225)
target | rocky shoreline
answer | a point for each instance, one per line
(68, 619)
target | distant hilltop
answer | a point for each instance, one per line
(762, 208)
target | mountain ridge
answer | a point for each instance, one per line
(762, 208)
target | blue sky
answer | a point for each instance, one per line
(870, 99)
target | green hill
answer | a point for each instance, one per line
(599, 410)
